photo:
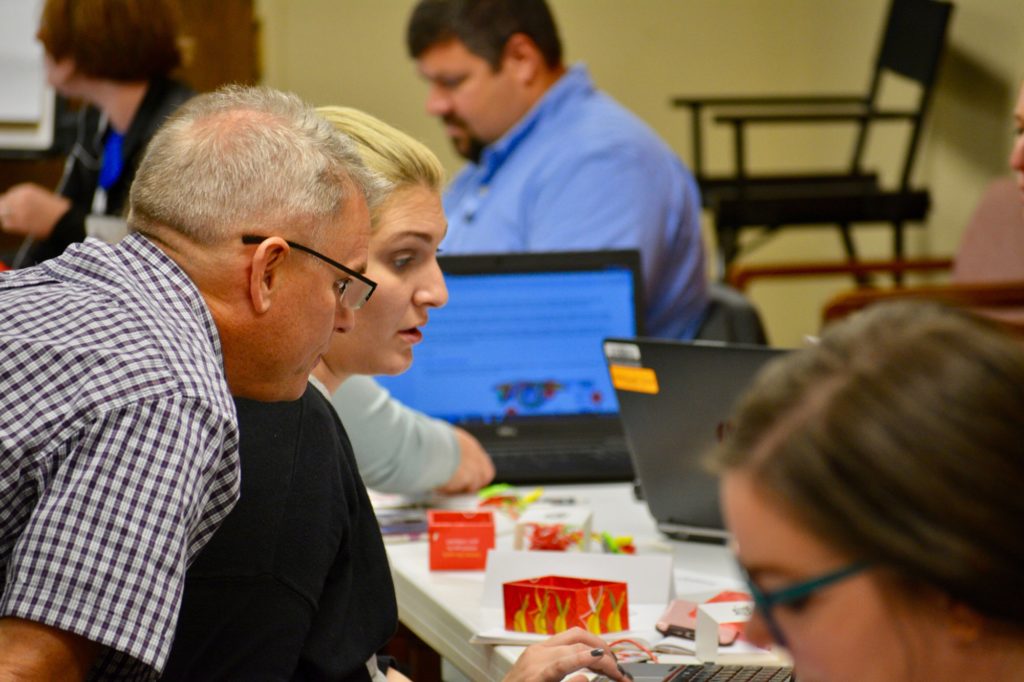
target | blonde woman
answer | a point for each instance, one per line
(398, 449)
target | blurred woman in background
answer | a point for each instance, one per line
(116, 57)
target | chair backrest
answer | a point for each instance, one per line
(915, 35)
(912, 46)
(731, 317)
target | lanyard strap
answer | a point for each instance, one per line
(112, 163)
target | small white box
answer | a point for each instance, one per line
(554, 528)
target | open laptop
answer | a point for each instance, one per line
(515, 358)
(675, 401)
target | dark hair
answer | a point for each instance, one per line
(483, 26)
(899, 440)
(122, 40)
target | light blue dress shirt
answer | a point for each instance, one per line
(580, 172)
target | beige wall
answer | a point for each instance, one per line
(644, 51)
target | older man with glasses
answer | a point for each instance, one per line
(119, 439)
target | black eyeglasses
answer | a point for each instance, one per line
(359, 288)
(767, 601)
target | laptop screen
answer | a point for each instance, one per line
(521, 337)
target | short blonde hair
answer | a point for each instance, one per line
(397, 157)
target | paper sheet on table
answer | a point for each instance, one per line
(739, 652)
(699, 586)
(652, 584)
(648, 578)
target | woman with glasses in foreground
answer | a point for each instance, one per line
(873, 487)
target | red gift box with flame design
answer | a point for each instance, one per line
(554, 603)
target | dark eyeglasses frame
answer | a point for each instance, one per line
(766, 601)
(371, 286)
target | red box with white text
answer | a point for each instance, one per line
(459, 540)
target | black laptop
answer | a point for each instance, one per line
(515, 358)
(675, 401)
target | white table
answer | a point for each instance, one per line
(443, 607)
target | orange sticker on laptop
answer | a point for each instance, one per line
(635, 379)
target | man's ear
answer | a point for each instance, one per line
(266, 272)
(523, 58)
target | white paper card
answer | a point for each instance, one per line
(710, 616)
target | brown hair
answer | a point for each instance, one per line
(484, 27)
(899, 440)
(122, 40)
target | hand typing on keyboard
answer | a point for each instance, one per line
(566, 653)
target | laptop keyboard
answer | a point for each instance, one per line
(708, 672)
(731, 673)
(547, 463)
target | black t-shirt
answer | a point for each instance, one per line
(295, 584)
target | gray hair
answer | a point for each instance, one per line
(246, 159)
(899, 440)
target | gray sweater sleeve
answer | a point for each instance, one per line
(398, 449)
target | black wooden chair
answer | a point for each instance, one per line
(911, 47)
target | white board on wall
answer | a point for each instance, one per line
(26, 102)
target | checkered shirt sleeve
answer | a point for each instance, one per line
(118, 457)
(104, 551)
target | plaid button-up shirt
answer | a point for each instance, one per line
(118, 446)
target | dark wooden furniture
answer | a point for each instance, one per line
(911, 47)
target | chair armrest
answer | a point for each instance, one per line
(697, 103)
(739, 120)
(1002, 295)
(765, 100)
(807, 116)
(740, 276)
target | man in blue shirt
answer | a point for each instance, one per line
(555, 164)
